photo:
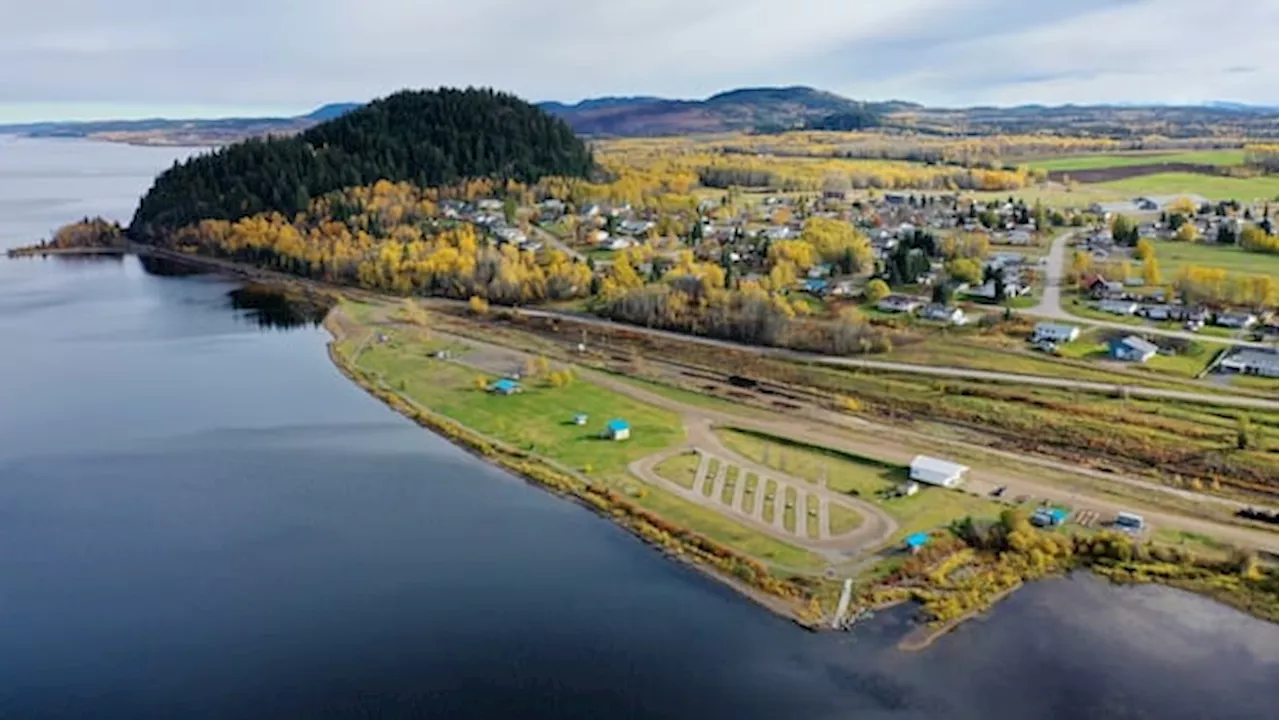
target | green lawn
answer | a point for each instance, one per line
(770, 497)
(842, 519)
(724, 529)
(538, 419)
(709, 484)
(1109, 160)
(749, 493)
(789, 510)
(1173, 256)
(730, 485)
(680, 469)
(811, 516)
(1214, 187)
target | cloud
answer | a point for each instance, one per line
(290, 53)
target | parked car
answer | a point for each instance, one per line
(1000, 491)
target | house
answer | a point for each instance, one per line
(1118, 307)
(1054, 333)
(916, 541)
(816, 286)
(1251, 361)
(1019, 237)
(932, 471)
(505, 387)
(1235, 320)
(781, 232)
(489, 205)
(617, 430)
(1159, 312)
(987, 290)
(943, 313)
(634, 227)
(898, 303)
(615, 243)
(1131, 348)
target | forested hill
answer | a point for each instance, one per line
(425, 137)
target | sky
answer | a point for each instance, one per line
(94, 59)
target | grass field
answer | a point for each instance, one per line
(789, 510)
(770, 493)
(730, 485)
(691, 397)
(538, 419)
(870, 480)
(1211, 186)
(709, 484)
(724, 529)
(680, 469)
(842, 519)
(811, 516)
(749, 492)
(1099, 161)
(1173, 256)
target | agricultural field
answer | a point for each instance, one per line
(1213, 187)
(1173, 256)
(1108, 160)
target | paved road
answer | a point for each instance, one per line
(555, 242)
(933, 370)
(1054, 269)
(1050, 306)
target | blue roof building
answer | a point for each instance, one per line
(1131, 349)
(505, 387)
(617, 429)
(917, 541)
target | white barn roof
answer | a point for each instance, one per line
(936, 472)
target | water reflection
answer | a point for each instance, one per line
(276, 309)
(164, 267)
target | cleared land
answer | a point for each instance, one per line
(540, 419)
(867, 479)
(1213, 187)
(1173, 256)
(680, 469)
(1089, 162)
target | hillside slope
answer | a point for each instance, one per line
(749, 109)
(425, 137)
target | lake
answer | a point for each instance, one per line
(201, 518)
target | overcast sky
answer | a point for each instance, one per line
(65, 59)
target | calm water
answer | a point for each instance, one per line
(199, 517)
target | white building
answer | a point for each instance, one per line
(1055, 333)
(933, 471)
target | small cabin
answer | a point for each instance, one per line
(505, 387)
(580, 419)
(617, 430)
(917, 541)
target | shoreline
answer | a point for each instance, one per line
(457, 434)
(545, 474)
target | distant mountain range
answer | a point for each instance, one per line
(195, 131)
(760, 110)
(750, 109)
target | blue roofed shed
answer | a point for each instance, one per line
(917, 541)
(617, 429)
(505, 387)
